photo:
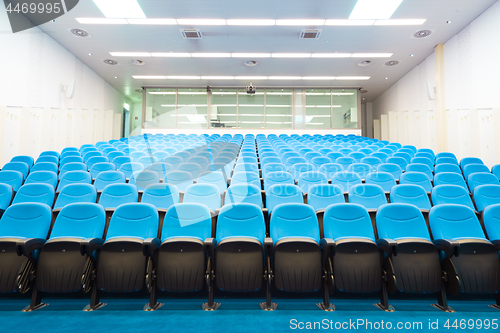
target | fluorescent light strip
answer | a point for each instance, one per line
(211, 55)
(217, 77)
(352, 78)
(120, 8)
(100, 20)
(223, 93)
(318, 78)
(161, 92)
(401, 22)
(278, 106)
(285, 78)
(176, 77)
(336, 22)
(168, 105)
(374, 9)
(149, 77)
(251, 55)
(192, 93)
(171, 55)
(250, 22)
(371, 55)
(244, 93)
(224, 105)
(300, 22)
(278, 122)
(278, 93)
(291, 55)
(201, 22)
(331, 55)
(250, 78)
(165, 21)
(130, 54)
(278, 115)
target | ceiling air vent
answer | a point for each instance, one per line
(137, 62)
(79, 33)
(250, 63)
(422, 33)
(363, 91)
(365, 63)
(392, 63)
(310, 33)
(110, 62)
(191, 33)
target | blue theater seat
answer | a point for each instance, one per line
(161, 168)
(48, 159)
(345, 180)
(345, 162)
(246, 193)
(90, 154)
(447, 167)
(243, 167)
(330, 169)
(393, 169)
(194, 169)
(96, 159)
(362, 169)
(334, 156)
(318, 162)
(308, 179)
(24, 159)
(481, 178)
(496, 170)
(174, 161)
(486, 195)
(6, 195)
(162, 196)
(45, 177)
(411, 260)
(49, 153)
(23, 227)
(420, 167)
(383, 179)
(399, 161)
(321, 196)
(73, 166)
(274, 178)
(75, 193)
(373, 162)
(451, 194)
(214, 177)
(73, 177)
(469, 160)
(450, 178)
(17, 166)
(133, 228)
(142, 179)
(105, 178)
(282, 193)
(471, 168)
(147, 161)
(181, 179)
(206, 194)
(446, 154)
(97, 168)
(416, 178)
(45, 166)
(70, 159)
(446, 160)
(468, 258)
(407, 157)
(115, 195)
(68, 154)
(411, 194)
(246, 178)
(120, 160)
(129, 168)
(370, 196)
(357, 156)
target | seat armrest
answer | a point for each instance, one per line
(209, 245)
(496, 243)
(150, 245)
(268, 246)
(26, 246)
(449, 247)
(328, 246)
(389, 246)
(89, 245)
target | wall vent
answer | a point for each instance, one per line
(310, 33)
(422, 33)
(191, 33)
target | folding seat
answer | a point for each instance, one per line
(372, 161)
(246, 193)
(86, 148)
(24, 159)
(345, 151)
(276, 178)
(74, 177)
(118, 194)
(299, 168)
(70, 159)
(17, 166)
(481, 178)
(451, 194)
(367, 151)
(417, 178)
(185, 155)
(24, 228)
(446, 155)
(373, 149)
(160, 155)
(345, 180)
(101, 167)
(408, 151)
(288, 154)
(383, 179)
(469, 259)
(91, 154)
(411, 194)
(201, 161)
(160, 168)
(128, 249)
(6, 195)
(381, 156)
(334, 156)
(130, 167)
(450, 178)
(96, 159)
(105, 178)
(135, 155)
(356, 259)
(310, 155)
(267, 154)
(246, 178)
(386, 151)
(423, 160)
(345, 162)
(473, 168)
(141, 179)
(69, 154)
(411, 260)
(48, 159)
(496, 170)
(120, 160)
(44, 177)
(297, 253)
(447, 167)
(420, 167)
(399, 161)
(175, 161)
(393, 169)
(181, 179)
(362, 169)
(323, 195)
(370, 196)
(193, 168)
(243, 167)
(206, 194)
(162, 196)
(273, 167)
(330, 169)
(147, 161)
(406, 156)
(447, 160)
(357, 156)
(325, 151)
(68, 149)
(486, 195)
(49, 153)
(310, 178)
(469, 160)
(128, 150)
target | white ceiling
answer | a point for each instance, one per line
(137, 38)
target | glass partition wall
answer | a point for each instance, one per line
(272, 108)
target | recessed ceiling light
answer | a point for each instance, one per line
(201, 22)
(130, 54)
(165, 21)
(120, 8)
(411, 55)
(177, 77)
(352, 78)
(110, 62)
(401, 22)
(217, 77)
(285, 78)
(250, 63)
(100, 20)
(171, 55)
(318, 78)
(422, 34)
(211, 55)
(349, 22)
(449, 21)
(374, 9)
(251, 55)
(365, 63)
(372, 55)
(392, 63)
(387, 78)
(331, 55)
(300, 22)
(116, 77)
(137, 62)
(250, 22)
(90, 54)
(149, 77)
(291, 55)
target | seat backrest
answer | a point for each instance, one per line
(105, 178)
(147, 160)
(381, 156)
(410, 194)
(76, 193)
(345, 161)
(343, 220)
(362, 169)
(447, 167)
(373, 162)
(321, 196)
(282, 193)
(135, 155)
(491, 221)
(207, 194)
(451, 194)
(101, 167)
(181, 179)
(246, 178)
(162, 196)
(420, 167)
(137, 220)
(161, 168)
(481, 178)
(308, 179)
(73, 166)
(247, 160)
(272, 167)
(473, 168)
(383, 179)
(486, 195)
(45, 177)
(297, 169)
(319, 161)
(17, 166)
(26, 220)
(294, 160)
(445, 154)
(446, 160)
(214, 177)
(45, 166)
(114, 154)
(5, 197)
(417, 178)
(370, 196)
(334, 156)
(187, 220)
(426, 155)
(241, 220)
(24, 159)
(399, 221)
(115, 195)
(450, 178)
(469, 160)
(393, 169)
(174, 160)
(70, 159)
(294, 220)
(330, 169)
(129, 168)
(72, 177)
(246, 193)
(397, 160)
(408, 151)
(274, 178)
(243, 167)
(357, 156)
(192, 168)
(120, 160)
(454, 222)
(345, 180)
(142, 179)
(80, 220)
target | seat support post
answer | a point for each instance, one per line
(327, 283)
(210, 305)
(497, 304)
(153, 292)
(268, 276)
(95, 303)
(36, 301)
(442, 300)
(384, 298)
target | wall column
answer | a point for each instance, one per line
(441, 118)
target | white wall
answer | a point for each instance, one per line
(472, 88)
(35, 114)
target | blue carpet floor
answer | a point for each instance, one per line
(242, 316)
